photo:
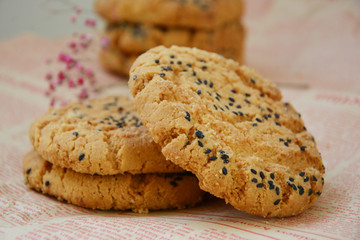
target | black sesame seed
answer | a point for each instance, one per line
(277, 202)
(199, 134)
(270, 182)
(215, 107)
(134, 77)
(222, 109)
(302, 174)
(213, 158)
(289, 183)
(277, 190)
(204, 67)
(172, 56)
(173, 183)
(286, 104)
(247, 95)
(276, 115)
(211, 84)
(194, 73)
(233, 90)
(314, 178)
(262, 175)
(189, 65)
(281, 140)
(238, 106)
(258, 120)
(271, 186)
(187, 117)
(253, 171)
(171, 62)
(235, 113)
(187, 143)
(294, 187)
(162, 74)
(310, 192)
(224, 170)
(222, 151)
(265, 117)
(28, 171)
(262, 95)
(169, 68)
(81, 157)
(89, 106)
(245, 100)
(254, 124)
(286, 144)
(278, 124)
(302, 148)
(259, 185)
(301, 190)
(95, 175)
(224, 156)
(179, 62)
(157, 61)
(252, 80)
(318, 193)
(200, 144)
(47, 183)
(272, 176)
(227, 107)
(241, 114)
(304, 128)
(291, 179)
(205, 82)
(254, 180)
(75, 134)
(178, 178)
(288, 140)
(207, 151)
(231, 104)
(198, 92)
(231, 99)
(226, 161)
(306, 179)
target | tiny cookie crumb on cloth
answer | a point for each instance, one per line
(140, 192)
(204, 14)
(229, 126)
(102, 136)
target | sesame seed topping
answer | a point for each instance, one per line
(247, 95)
(318, 193)
(245, 100)
(254, 124)
(233, 90)
(205, 82)
(211, 84)
(271, 186)
(81, 156)
(286, 144)
(272, 176)
(252, 80)
(172, 56)
(215, 107)
(262, 95)
(179, 62)
(224, 156)
(222, 151)
(199, 134)
(259, 185)
(162, 74)
(277, 115)
(310, 192)
(224, 170)
(213, 158)
(47, 183)
(157, 61)
(238, 106)
(231, 99)
(194, 73)
(173, 183)
(235, 113)
(258, 120)
(189, 65)
(281, 140)
(187, 143)
(302, 148)
(28, 171)
(198, 92)
(134, 77)
(277, 202)
(301, 190)
(204, 67)
(314, 178)
(306, 179)
(207, 151)
(75, 134)
(291, 179)
(187, 117)
(277, 190)
(278, 124)
(171, 62)
(200, 144)
(254, 180)
(253, 171)
(262, 175)
(302, 174)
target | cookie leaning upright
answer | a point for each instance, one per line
(228, 126)
(102, 136)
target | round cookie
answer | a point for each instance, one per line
(204, 14)
(102, 136)
(228, 126)
(227, 39)
(141, 192)
(116, 61)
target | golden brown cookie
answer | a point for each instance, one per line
(205, 14)
(227, 39)
(116, 61)
(140, 192)
(101, 136)
(228, 126)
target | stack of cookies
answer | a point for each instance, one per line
(99, 155)
(210, 116)
(135, 26)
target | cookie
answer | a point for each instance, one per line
(204, 14)
(102, 136)
(116, 61)
(229, 126)
(227, 39)
(141, 192)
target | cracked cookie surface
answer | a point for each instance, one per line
(102, 136)
(140, 192)
(204, 14)
(230, 127)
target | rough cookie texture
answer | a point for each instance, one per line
(101, 136)
(205, 14)
(116, 61)
(227, 39)
(228, 126)
(140, 192)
